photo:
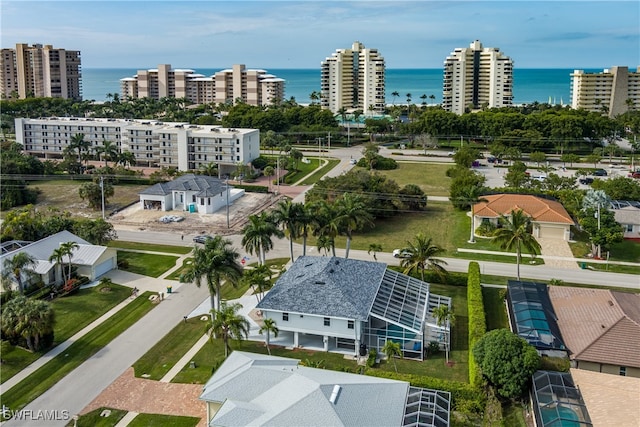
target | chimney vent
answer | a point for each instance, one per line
(334, 394)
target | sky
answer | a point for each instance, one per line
(301, 34)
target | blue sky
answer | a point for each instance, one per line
(300, 34)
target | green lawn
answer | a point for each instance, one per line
(93, 418)
(154, 420)
(73, 312)
(494, 308)
(627, 251)
(120, 244)
(151, 265)
(46, 376)
(303, 170)
(164, 355)
(430, 177)
(178, 272)
(315, 177)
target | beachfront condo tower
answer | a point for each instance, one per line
(611, 92)
(353, 79)
(477, 77)
(228, 86)
(40, 72)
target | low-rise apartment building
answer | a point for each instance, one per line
(153, 143)
(613, 91)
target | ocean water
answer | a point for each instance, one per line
(529, 85)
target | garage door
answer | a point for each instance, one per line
(103, 267)
(549, 232)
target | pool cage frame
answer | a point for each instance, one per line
(552, 391)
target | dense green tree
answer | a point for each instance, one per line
(413, 197)
(515, 233)
(538, 157)
(92, 193)
(619, 188)
(507, 361)
(423, 253)
(516, 177)
(465, 156)
(466, 186)
(227, 324)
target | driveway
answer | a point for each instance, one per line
(556, 252)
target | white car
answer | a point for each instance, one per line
(401, 253)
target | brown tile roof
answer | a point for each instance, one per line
(539, 209)
(599, 325)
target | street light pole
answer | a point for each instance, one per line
(227, 184)
(102, 190)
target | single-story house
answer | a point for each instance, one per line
(90, 260)
(628, 215)
(192, 193)
(600, 327)
(348, 305)
(549, 218)
(260, 390)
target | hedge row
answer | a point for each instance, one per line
(477, 321)
(464, 397)
(252, 188)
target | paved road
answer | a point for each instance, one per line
(82, 385)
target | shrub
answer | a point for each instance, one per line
(486, 229)
(371, 360)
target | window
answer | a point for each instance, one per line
(629, 228)
(327, 321)
(285, 317)
(193, 198)
(623, 371)
(350, 324)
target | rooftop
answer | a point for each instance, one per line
(537, 208)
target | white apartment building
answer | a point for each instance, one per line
(254, 87)
(156, 144)
(613, 91)
(40, 71)
(477, 77)
(354, 79)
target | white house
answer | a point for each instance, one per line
(260, 390)
(192, 193)
(348, 305)
(629, 217)
(90, 260)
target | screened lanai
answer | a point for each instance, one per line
(532, 317)
(557, 402)
(402, 312)
(426, 407)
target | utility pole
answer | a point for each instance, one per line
(328, 142)
(227, 184)
(599, 253)
(102, 190)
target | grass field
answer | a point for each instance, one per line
(93, 418)
(73, 313)
(430, 177)
(120, 244)
(153, 420)
(151, 265)
(315, 177)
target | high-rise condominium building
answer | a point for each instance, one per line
(41, 72)
(353, 79)
(254, 87)
(477, 77)
(613, 91)
(156, 144)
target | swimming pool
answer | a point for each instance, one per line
(560, 416)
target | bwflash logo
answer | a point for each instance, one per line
(38, 415)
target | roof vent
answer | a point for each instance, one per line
(602, 326)
(334, 394)
(319, 282)
(610, 303)
(331, 270)
(337, 261)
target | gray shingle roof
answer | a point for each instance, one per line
(327, 286)
(205, 184)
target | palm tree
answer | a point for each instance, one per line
(392, 349)
(269, 326)
(374, 247)
(227, 324)
(306, 221)
(394, 94)
(258, 277)
(444, 314)
(287, 215)
(67, 249)
(108, 151)
(257, 235)
(352, 215)
(14, 268)
(422, 257)
(516, 233)
(78, 143)
(215, 262)
(324, 225)
(210, 169)
(127, 158)
(57, 256)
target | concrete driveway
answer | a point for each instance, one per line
(557, 253)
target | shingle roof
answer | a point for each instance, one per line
(267, 390)
(539, 209)
(599, 325)
(327, 286)
(627, 215)
(204, 185)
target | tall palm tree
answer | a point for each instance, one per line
(14, 268)
(126, 158)
(374, 247)
(392, 349)
(57, 257)
(227, 324)
(516, 234)
(78, 143)
(422, 257)
(215, 262)
(305, 220)
(287, 215)
(210, 169)
(67, 249)
(394, 95)
(269, 326)
(444, 314)
(352, 215)
(108, 151)
(258, 277)
(325, 226)
(256, 235)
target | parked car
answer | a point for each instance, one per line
(401, 253)
(202, 238)
(353, 161)
(586, 180)
(600, 172)
(170, 218)
(635, 175)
